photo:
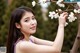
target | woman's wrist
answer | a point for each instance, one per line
(61, 25)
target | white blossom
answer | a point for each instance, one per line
(33, 3)
(66, 24)
(44, 1)
(59, 10)
(78, 3)
(75, 11)
(59, 3)
(71, 13)
(59, 0)
(72, 17)
(51, 14)
(78, 10)
(56, 10)
(56, 15)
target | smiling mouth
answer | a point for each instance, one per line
(33, 28)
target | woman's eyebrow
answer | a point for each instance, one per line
(29, 17)
(33, 16)
(26, 18)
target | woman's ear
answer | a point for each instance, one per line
(17, 25)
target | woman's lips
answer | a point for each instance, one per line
(33, 28)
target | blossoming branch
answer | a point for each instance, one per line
(61, 3)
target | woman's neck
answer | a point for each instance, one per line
(27, 37)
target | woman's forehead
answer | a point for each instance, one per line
(27, 15)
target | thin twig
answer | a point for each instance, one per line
(68, 7)
(72, 5)
(68, 10)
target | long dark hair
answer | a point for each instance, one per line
(15, 33)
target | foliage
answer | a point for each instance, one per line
(2, 12)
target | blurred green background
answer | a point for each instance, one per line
(47, 29)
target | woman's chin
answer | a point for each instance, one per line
(33, 32)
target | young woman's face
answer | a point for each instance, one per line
(28, 23)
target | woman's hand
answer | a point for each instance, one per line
(62, 18)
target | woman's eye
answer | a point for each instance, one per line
(33, 18)
(26, 20)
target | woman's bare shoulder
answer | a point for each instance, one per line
(22, 43)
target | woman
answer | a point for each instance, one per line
(22, 25)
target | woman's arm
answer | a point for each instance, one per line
(28, 47)
(58, 42)
(41, 41)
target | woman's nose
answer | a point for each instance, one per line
(33, 22)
